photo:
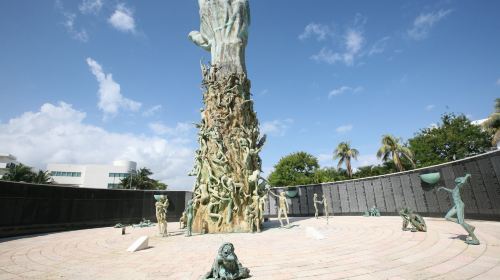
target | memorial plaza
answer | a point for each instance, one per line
(348, 247)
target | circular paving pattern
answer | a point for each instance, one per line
(347, 247)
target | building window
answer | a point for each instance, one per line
(118, 175)
(65, 174)
(114, 186)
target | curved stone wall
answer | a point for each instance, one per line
(391, 192)
(32, 208)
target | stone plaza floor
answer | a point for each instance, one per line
(347, 247)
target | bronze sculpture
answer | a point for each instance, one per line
(316, 201)
(161, 206)
(458, 209)
(226, 265)
(227, 163)
(414, 219)
(283, 208)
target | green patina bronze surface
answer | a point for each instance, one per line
(226, 265)
(228, 188)
(372, 212)
(410, 218)
(189, 214)
(431, 178)
(458, 209)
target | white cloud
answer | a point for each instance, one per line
(319, 31)
(111, 101)
(353, 42)
(344, 128)
(276, 127)
(327, 55)
(123, 19)
(379, 46)
(180, 129)
(58, 134)
(430, 107)
(90, 6)
(498, 81)
(326, 160)
(152, 111)
(344, 89)
(365, 160)
(424, 23)
(69, 23)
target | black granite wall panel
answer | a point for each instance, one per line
(476, 184)
(295, 206)
(370, 195)
(351, 193)
(335, 198)
(344, 198)
(310, 194)
(360, 196)
(409, 198)
(491, 183)
(303, 207)
(397, 190)
(388, 194)
(418, 193)
(379, 195)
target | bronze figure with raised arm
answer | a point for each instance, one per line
(458, 209)
(283, 207)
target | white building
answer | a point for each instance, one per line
(5, 161)
(91, 175)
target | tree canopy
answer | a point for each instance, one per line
(294, 169)
(141, 181)
(455, 137)
(23, 173)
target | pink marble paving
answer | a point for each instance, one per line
(345, 248)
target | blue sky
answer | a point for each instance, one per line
(93, 81)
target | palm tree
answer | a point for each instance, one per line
(391, 148)
(42, 177)
(141, 181)
(493, 123)
(345, 153)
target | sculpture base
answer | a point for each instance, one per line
(203, 224)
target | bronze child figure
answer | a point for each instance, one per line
(458, 209)
(226, 265)
(414, 219)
